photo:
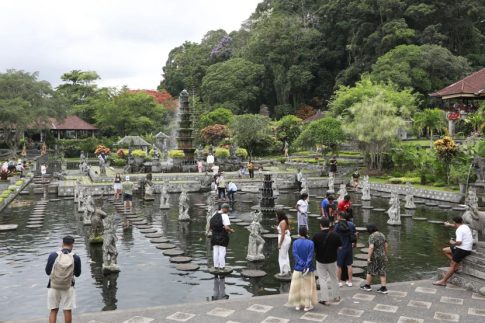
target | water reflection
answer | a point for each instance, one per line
(219, 288)
(109, 291)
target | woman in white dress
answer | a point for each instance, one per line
(117, 185)
(284, 242)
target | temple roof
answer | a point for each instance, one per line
(472, 86)
(135, 141)
(71, 122)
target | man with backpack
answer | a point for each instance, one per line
(61, 268)
(348, 234)
(221, 227)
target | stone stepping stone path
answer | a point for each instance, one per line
(270, 236)
(243, 224)
(356, 205)
(359, 263)
(367, 207)
(236, 220)
(34, 222)
(173, 252)
(406, 215)
(360, 245)
(364, 250)
(33, 226)
(420, 219)
(224, 272)
(152, 230)
(8, 227)
(358, 271)
(164, 246)
(282, 278)
(380, 210)
(144, 226)
(37, 216)
(361, 229)
(361, 256)
(180, 259)
(159, 240)
(187, 267)
(458, 208)
(153, 235)
(132, 216)
(444, 206)
(199, 204)
(431, 204)
(253, 273)
(139, 222)
(436, 221)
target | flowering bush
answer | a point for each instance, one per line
(122, 153)
(102, 149)
(305, 111)
(446, 148)
(223, 49)
(214, 133)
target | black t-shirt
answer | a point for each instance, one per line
(326, 246)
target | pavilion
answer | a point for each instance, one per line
(461, 98)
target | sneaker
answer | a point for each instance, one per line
(322, 302)
(306, 309)
(348, 283)
(340, 284)
(297, 308)
(367, 288)
(382, 290)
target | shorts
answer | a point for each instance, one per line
(459, 254)
(117, 186)
(344, 258)
(127, 197)
(61, 298)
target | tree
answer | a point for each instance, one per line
(220, 116)
(375, 125)
(250, 130)
(326, 133)
(425, 68)
(213, 134)
(430, 120)
(345, 97)
(289, 128)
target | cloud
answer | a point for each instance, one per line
(127, 42)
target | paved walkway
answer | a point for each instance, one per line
(409, 302)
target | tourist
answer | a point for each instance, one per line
(117, 186)
(61, 268)
(299, 179)
(355, 179)
(231, 191)
(302, 211)
(250, 169)
(215, 170)
(20, 168)
(210, 160)
(461, 247)
(376, 259)
(284, 242)
(241, 171)
(303, 289)
(200, 166)
(333, 166)
(221, 227)
(221, 186)
(43, 171)
(345, 205)
(285, 148)
(327, 243)
(128, 193)
(347, 233)
(330, 209)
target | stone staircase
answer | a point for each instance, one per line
(472, 273)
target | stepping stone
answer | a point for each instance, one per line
(132, 216)
(292, 210)
(187, 267)
(34, 222)
(405, 215)
(359, 263)
(458, 208)
(253, 273)
(357, 271)
(144, 226)
(247, 201)
(236, 220)
(444, 206)
(152, 230)
(243, 224)
(218, 272)
(367, 207)
(431, 204)
(37, 216)
(361, 229)
(54, 200)
(379, 210)
(164, 246)
(361, 256)
(270, 236)
(8, 227)
(24, 193)
(436, 221)
(179, 259)
(356, 205)
(173, 252)
(420, 219)
(283, 278)
(153, 235)
(418, 202)
(199, 204)
(364, 250)
(359, 245)
(139, 222)
(33, 226)
(314, 215)
(159, 240)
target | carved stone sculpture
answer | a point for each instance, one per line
(77, 190)
(102, 166)
(164, 197)
(394, 211)
(97, 226)
(366, 189)
(184, 206)
(342, 192)
(88, 209)
(409, 197)
(210, 212)
(331, 184)
(479, 164)
(110, 252)
(304, 186)
(81, 199)
(256, 242)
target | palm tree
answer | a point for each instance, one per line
(430, 120)
(476, 120)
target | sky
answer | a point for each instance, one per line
(126, 41)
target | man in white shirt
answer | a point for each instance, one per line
(460, 248)
(220, 225)
(231, 190)
(210, 161)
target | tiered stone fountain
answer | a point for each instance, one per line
(267, 203)
(185, 132)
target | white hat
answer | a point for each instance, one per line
(127, 177)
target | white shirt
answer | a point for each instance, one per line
(210, 159)
(225, 219)
(43, 169)
(464, 234)
(215, 170)
(232, 187)
(299, 177)
(302, 206)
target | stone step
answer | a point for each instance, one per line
(463, 280)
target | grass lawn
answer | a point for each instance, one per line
(426, 187)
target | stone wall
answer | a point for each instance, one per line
(420, 193)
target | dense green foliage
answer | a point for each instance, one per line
(326, 133)
(252, 132)
(289, 128)
(221, 116)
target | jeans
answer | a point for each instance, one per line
(328, 271)
(221, 192)
(230, 195)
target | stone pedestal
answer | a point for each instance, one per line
(472, 273)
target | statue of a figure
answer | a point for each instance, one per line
(184, 206)
(342, 192)
(211, 201)
(81, 199)
(156, 153)
(82, 157)
(479, 164)
(129, 165)
(394, 211)
(164, 197)
(409, 197)
(148, 188)
(77, 191)
(102, 165)
(304, 186)
(232, 151)
(110, 252)
(200, 153)
(88, 209)
(97, 226)
(331, 184)
(365, 189)
(474, 218)
(256, 242)
(43, 149)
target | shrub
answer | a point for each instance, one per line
(19, 182)
(481, 148)
(214, 133)
(1, 200)
(102, 149)
(122, 153)
(176, 154)
(12, 187)
(222, 153)
(119, 162)
(242, 153)
(139, 153)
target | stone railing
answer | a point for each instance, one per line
(418, 192)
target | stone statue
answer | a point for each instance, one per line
(479, 164)
(110, 252)
(97, 226)
(148, 188)
(184, 206)
(211, 201)
(304, 186)
(342, 192)
(256, 242)
(43, 149)
(409, 197)
(81, 199)
(89, 208)
(102, 165)
(77, 191)
(366, 189)
(232, 151)
(156, 153)
(331, 184)
(164, 197)
(394, 211)
(200, 153)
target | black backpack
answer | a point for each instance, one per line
(215, 222)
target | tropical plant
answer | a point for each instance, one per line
(241, 153)
(429, 120)
(250, 131)
(477, 121)
(446, 150)
(139, 153)
(222, 153)
(221, 116)
(325, 133)
(176, 154)
(102, 149)
(289, 128)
